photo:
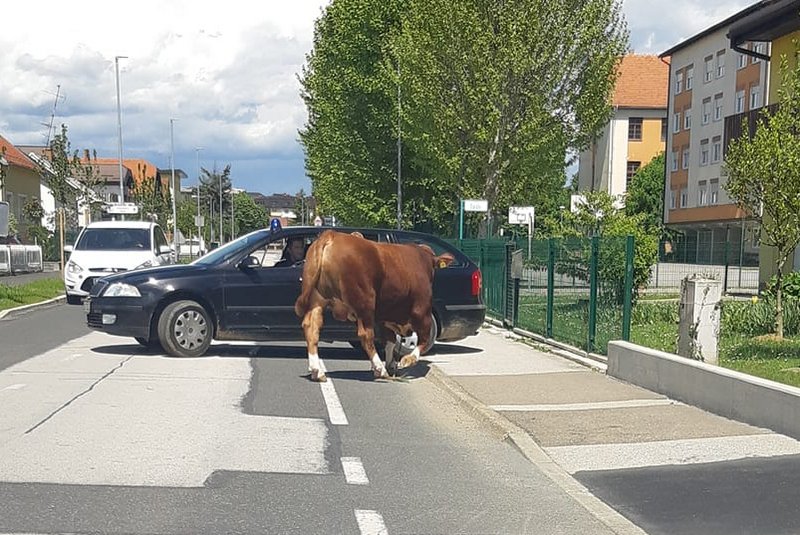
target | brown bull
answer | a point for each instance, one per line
(368, 283)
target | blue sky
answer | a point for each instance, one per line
(228, 76)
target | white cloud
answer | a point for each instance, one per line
(226, 71)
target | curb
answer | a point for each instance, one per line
(10, 313)
(535, 454)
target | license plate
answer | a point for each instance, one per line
(87, 305)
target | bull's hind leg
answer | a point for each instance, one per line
(312, 323)
(421, 323)
(366, 333)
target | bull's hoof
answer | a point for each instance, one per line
(380, 373)
(408, 361)
(318, 376)
(391, 368)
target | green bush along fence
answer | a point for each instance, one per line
(574, 290)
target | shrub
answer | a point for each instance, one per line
(790, 285)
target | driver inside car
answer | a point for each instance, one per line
(294, 252)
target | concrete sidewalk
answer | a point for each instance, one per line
(589, 432)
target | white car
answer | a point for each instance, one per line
(193, 247)
(108, 247)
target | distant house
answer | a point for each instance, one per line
(637, 131)
(22, 182)
(180, 175)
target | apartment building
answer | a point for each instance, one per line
(775, 25)
(708, 82)
(637, 130)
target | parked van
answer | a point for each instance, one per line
(108, 247)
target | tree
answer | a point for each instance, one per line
(249, 215)
(33, 212)
(498, 92)
(210, 184)
(350, 91)
(763, 175)
(154, 201)
(645, 194)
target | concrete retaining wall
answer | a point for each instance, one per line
(731, 394)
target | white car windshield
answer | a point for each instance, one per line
(114, 239)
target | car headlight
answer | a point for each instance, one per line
(73, 268)
(120, 289)
(143, 265)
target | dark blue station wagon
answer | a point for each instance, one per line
(236, 293)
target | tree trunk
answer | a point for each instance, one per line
(779, 298)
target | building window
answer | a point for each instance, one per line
(635, 129)
(716, 149)
(758, 48)
(687, 119)
(718, 107)
(706, 110)
(720, 64)
(741, 61)
(701, 193)
(704, 152)
(676, 122)
(664, 127)
(684, 198)
(633, 168)
(679, 82)
(739, 103)
(674, 161)
(672, 199)
(685, 163)
(755, 96)
(689, 77)
(713, 191)
(709, 70)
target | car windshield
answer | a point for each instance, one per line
(232, 249)
(114, 239)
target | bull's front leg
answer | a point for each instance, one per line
(366, 333)
(421, 323)
(312, 322)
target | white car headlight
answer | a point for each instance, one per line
(143, 265)
(73, 268)
(120, 289)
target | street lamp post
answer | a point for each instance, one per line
(221, 211)
(173, 189)
(119, 130)
(197, 220)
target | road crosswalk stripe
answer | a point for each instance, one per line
(354, 472)
(594, 457)
(370, 522)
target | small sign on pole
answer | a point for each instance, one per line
(476, 205)
(199, 221)
(123, 208)
(523, 215)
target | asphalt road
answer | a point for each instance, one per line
(99, 436)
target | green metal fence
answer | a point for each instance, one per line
(578, 291)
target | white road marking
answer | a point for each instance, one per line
(370, 522)
(332, 403)
(586, 406)
(154, 421)
(354, 472)
(671, 452)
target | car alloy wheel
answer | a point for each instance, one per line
(184, 329)
(406, 344)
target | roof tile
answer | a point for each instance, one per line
(643, 82)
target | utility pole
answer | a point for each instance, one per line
(399, 156)
(173, 189)
(119, 131)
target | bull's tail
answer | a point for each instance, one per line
(311, 272)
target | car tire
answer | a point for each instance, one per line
(74, 299)
(184, 329)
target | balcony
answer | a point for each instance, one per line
(733, 123)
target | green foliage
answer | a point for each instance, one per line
(790, 286)
(33, 292)
(13, 224)
(210, 184)
(757, 318)
(154, 201)
(653, 313)
(764, 175)
(645, 195)
(493, 95)
(765, 348)
(250, 216)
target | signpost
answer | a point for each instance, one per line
(470, 205)
(123, 208)
(523, 215)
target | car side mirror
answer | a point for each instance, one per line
(250, 262)
(164, 249)
(68, 248)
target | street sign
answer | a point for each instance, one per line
(123, 208)
(199, 220)
(520, 215)
(476, 205)
(318, 221)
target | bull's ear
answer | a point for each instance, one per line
(444, 260)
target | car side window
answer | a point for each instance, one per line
(439, 248)
(160, 238)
